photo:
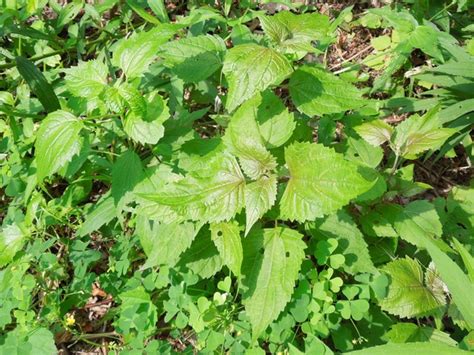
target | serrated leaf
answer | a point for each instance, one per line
(164, 243)
(260, 123)
(87, 79)
(226, 238)
(375, 132)
(295, 33)
(250, 68)
(408, 295)
(134, 54)
(148, 128)
(214, 193)
(315, 91)
(272, 259)
(202, 257)
(350, 242)
(194, 58)
(418, 218)
(418, 134)
(321, 182)
(12, 239)
(124, 96)
(127, 171)
(58, 140)
(260, 196)
(455, 279)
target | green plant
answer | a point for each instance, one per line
(201, 177)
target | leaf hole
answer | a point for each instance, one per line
(287, 254)
(219, 233)
(261, 251)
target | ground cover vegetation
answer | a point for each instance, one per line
(236, 177)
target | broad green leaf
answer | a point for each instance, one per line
(315, 91)
(409, 333)
(214, 193)
(164, 243)
(38, 84)
(127, 171)
(226, 237)
(12, 239)
(408, 294)
(103, 213)
(418, 218)
(427, 38)
(260, 123)
(361, 152)
(379, 221)
(124, 96)
(295, 33)
(194, 58)
(321, 182)
(418, 134)
(455, 279)
(87, 79)
(148, 129)
(260, 196)
(202, 257)
(350, 242)
(272, 260)
(410, 348)
(250, 68)
(375, 132)
(456, 68)
(58, 140)
(134, 54)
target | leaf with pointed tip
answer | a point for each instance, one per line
(408, 294)
(58, 140)
(260, 196)
(295, 33)
(260, 123)
(418, 134)
(226, 237)
(213, 193)
(250, 68)
(127, 171)
(418, 218)
(148, 128)
(164, 243)
(272, 260)
(134, 54)
(375, 132)
(38, 84)
(315, 91)
(194, 58)
(321, 182)
(87, 79)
